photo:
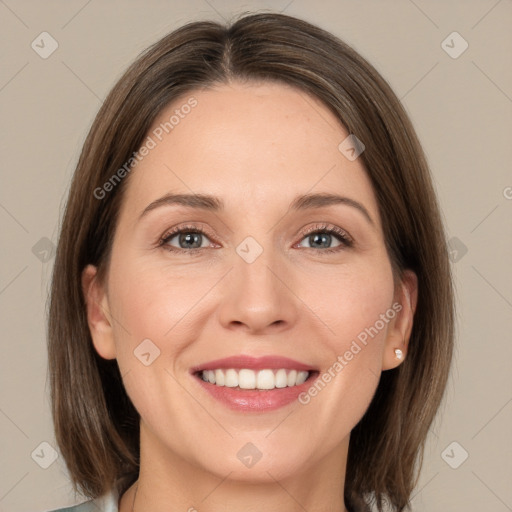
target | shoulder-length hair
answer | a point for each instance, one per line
(96, 425)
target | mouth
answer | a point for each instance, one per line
(249, 384)
(243, 372)
(262, 380)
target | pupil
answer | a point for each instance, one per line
(188, 238)
(318, 238)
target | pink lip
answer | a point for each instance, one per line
(255, 400)
(254, 363)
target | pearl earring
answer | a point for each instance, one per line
(398, 353)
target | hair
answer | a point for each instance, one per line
(96, 425)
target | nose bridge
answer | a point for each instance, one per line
(253, 264)
(253, 273)
(256, 294)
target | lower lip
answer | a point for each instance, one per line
(256, 400)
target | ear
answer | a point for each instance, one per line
(98, 313)
(400, 329)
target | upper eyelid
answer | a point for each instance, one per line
(325, 226)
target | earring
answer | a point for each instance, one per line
(398, 353)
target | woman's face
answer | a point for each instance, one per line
(256, 283)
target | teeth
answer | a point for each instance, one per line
(249, 379)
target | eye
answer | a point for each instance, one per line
(322, 236)
(192, 239)
(188, 238)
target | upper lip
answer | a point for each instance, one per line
(253, 363)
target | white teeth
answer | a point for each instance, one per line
(249, 379)
(265, 380)
(281, 379)
(231, 380)
(219, 377)
(246, 379)
(301, 378)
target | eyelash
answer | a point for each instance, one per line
(343, 237)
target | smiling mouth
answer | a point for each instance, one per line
(262, 380)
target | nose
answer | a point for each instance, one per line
(258, 297)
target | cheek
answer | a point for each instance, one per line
(154, 325)
(154, 302)
(356, 311)
(351, 302)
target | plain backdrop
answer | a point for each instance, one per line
(460, 102)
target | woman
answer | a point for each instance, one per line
(251, 303)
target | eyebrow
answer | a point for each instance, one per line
(215, 204)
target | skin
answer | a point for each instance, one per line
(256, 146)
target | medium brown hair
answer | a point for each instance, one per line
(96, 425)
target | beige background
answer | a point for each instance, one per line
(461, 108)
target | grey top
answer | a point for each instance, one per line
(106, 503)
(109, 503)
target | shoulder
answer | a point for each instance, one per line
(105, 503)
(88, 506)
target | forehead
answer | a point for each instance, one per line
(253, 145)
